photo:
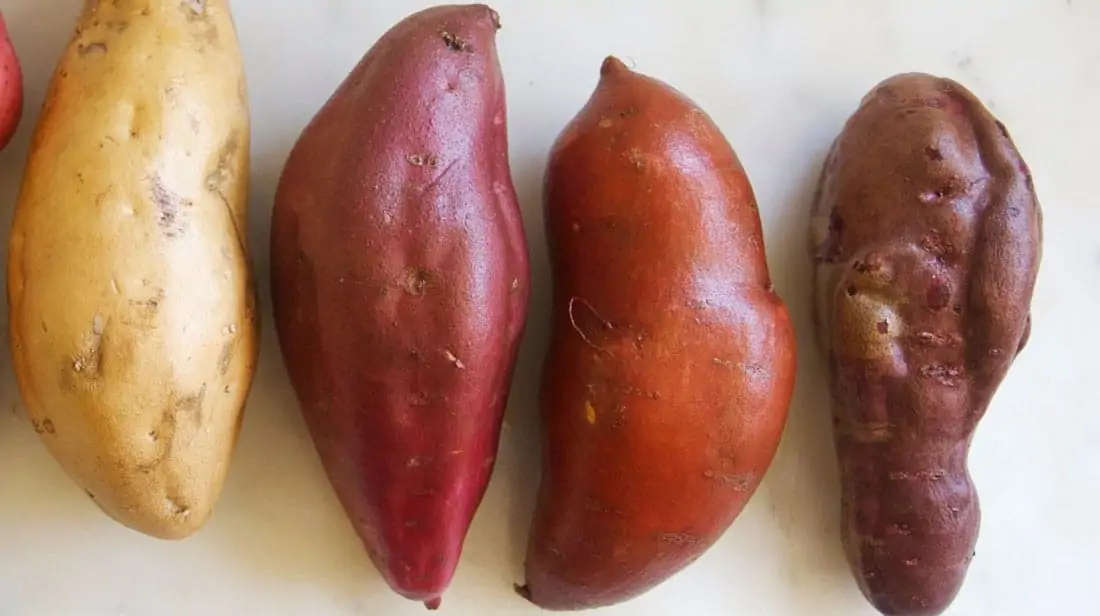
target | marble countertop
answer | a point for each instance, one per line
(780, 77)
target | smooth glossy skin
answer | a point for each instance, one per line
(133, 321)
(400, 288)
(11, 87)
(927, 239)
(671, 365)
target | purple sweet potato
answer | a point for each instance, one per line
(400, 288)
(927, 238)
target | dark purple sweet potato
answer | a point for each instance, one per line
(926, 236)
(400, 288)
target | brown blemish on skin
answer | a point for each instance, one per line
(83, 50)
(89, 361)
(419, 160)
(455, 42)
(170, 208)
(167, 431)
(416, 280)
(45, 427)
(191, 406)
(226, 357)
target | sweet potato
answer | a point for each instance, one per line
(926, 238)
(671, 365)
(133, 322)
(400, 288)
(11, 87)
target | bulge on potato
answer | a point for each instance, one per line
(133, 323)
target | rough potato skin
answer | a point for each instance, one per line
(133, 324)
(926, 237)
(400, 286)
(11, 87)
(671, 362)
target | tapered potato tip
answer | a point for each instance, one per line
(613, 66)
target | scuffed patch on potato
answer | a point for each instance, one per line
(90, 48)
(170, 207)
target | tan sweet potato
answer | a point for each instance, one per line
(671, 365)
(133, 326)
(926, 236)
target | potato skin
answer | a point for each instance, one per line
(926, 236)
(133, 323)
(400, 287)
(671, 363)
(11, 87)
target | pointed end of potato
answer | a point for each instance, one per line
(433, 604)
(613, 66)
(523, 591)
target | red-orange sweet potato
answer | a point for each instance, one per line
(671, 365)
(400, 288)
(926, 236)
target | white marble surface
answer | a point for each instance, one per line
(779, 76)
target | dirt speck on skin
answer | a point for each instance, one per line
(455, 42)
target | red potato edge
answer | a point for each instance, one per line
(926, 236)
(11, 87)
(400, 283)
(671, 365)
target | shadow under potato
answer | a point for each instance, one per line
(523, 436)
(802, 490)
